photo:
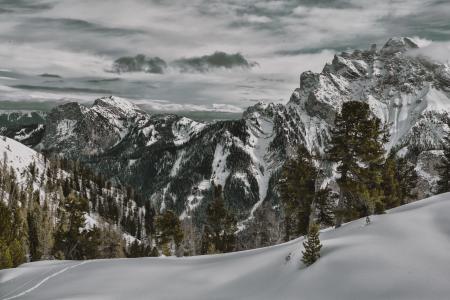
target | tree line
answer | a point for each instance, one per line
(65, 211)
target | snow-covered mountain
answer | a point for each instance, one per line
(174, 160)
(32, 171)
(409, 244)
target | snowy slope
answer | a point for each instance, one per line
(400, 255)
(19, 157)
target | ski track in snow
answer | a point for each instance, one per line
(41, 282)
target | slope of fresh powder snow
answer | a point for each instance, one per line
(400, 255)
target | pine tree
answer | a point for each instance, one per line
(356, 145)
(6, 260)
(46, 231)
(297, 186)
(221, 224)
(12, 252)
(407, 178)
(391, 185)
(154, 252)
(111, 243)
(312, 246)
(325, 207)
(169, 233)
(69, 233)
(399, 182)
(443, 184)
(33, 220)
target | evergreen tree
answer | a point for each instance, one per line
(69, 233)
(399, 181)
(312, 246)
(33, 220)
(111, 243)
(168, 232)
(443, 184)
(391, 185)
(154, 252)
(12, 252)
(46, 231)
(221, 225)
(407, 177)
(297, 189)
(356, 145)
(325, 207)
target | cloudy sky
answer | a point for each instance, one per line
(196, 55)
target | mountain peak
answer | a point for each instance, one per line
(398, 44)
(122, 105)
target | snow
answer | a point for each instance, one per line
(65, 128)
(195, 198)
(242, 177)
(177, 164)
(151, 133)
(22, 135)
(220, 172)
(260, 138)
(124, 106)
(184, 129)
(400, 255)
(19, 157)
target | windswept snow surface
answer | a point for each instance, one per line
(400, 255)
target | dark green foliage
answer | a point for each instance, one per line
(168, 229)
(33, 220)
(325, 206)
(12, 252)
(238, 159)
(70, 233)
(138, 249)
(219, 232)
(30, 222)
(312, 246)
(154, 252)
(407, 177)
(443, 184)
(357, 146)
(238, 197)
(297, 187)
(399, 181)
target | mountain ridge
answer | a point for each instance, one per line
(175, 160)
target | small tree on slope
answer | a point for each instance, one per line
(312, 246)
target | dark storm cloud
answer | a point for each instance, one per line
(47, 75)
(139, 63)
(205, 63)
(216, 60)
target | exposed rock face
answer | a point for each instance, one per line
(174, 160)
(74, 130)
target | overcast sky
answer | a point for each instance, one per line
(263, 45)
